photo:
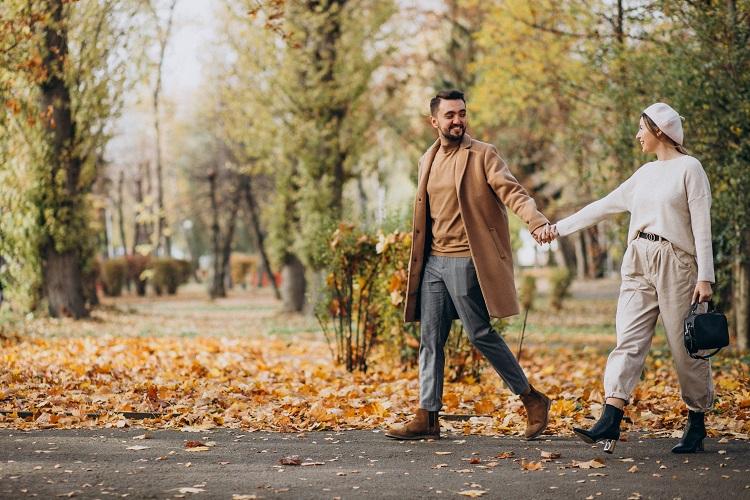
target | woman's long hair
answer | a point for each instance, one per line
(651, 126)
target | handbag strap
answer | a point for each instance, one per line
(698, 356)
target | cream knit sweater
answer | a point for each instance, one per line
(671, 198)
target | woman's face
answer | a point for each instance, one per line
(649, 141)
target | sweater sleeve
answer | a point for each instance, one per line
(615, 202)
(699, 203)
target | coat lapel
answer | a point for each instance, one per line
(461, 161)
(429, 157)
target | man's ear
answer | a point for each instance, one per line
(434, 122)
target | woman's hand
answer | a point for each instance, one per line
(702, 293)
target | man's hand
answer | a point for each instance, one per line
(544, 234)
(702, 292)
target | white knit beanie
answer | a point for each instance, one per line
(667, 119)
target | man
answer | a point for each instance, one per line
(461, 265)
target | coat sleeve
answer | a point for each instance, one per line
(510, 192)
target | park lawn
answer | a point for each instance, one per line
(239, 362)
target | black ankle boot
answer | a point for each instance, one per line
(606, 429)
(695, 432)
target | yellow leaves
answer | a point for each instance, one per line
(563, 407)
(292, 385)
(596, 463)
(531, 465)
(484, 406)
(728, 384)
(472, 493)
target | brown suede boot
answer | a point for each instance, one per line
(424, 425)
(537, 412)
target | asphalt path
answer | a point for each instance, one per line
(137, 463)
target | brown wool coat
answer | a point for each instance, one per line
(485, 186)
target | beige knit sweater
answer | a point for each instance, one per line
(671, 198)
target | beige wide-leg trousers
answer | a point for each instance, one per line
(656, 278)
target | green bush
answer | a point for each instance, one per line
(560, 281)
(167, 275)
(137, 266)
(362, 304)
(113, 273)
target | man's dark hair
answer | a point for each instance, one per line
(449, 95)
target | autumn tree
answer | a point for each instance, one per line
(705, 70)
(317, 72)
(62, 72)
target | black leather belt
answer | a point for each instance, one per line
(649, 236)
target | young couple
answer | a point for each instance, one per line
(461, 267)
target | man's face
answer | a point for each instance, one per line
(451, 119)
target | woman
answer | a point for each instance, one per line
(667, 266)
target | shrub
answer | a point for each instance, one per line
(137, 266)
(113, 273)
(560, 280)
(185, 268)
(527, 292)
(362, 304)
(241, 266)
(167, 275)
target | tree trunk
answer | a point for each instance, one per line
(120, 214)
(162, 234)
(741, 301)
(293, 284)
(217, 283)
(226, 251)
(62, 276)
(260, 237)
(565, 255)
(63, 285)
(594, 253)
(580, 253)
(2, 264)
(141, 232)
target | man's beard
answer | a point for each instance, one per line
(454, 137)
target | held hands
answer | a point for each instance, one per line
(545, 234)
(702, 292)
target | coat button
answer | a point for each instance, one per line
(416, 231)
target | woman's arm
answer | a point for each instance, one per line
(699, 204)
(614, 203)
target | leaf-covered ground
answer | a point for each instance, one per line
(239, 363)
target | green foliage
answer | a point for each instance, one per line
(167, 275)
(364, 299)
(113, 273)
(706, 73)
(50, 167)
(560, 280)
(527, 292)
(323, 90)
(355, 307)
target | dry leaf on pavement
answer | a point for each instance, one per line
(472, 493)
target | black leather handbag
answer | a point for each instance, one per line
(707, 330)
